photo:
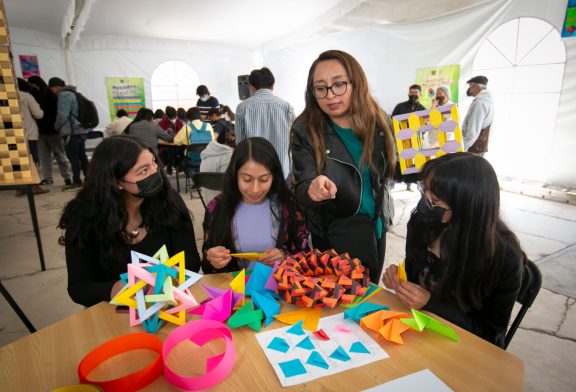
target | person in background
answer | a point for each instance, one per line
(255, 213)
(71, 130)
(205, 101)
(478, 120)
(266, 115)
(118, 126)
(442, 97)
(462, 262)
(50, 143)
(181, 113)
(144, 128)
(228, 113)
(195, 131)
(342, 158)
(215, 159)
(158, 115)
(126, 204)
(220, 125)
(30, 111)
(172, 124)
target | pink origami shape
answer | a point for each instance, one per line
(218, 309)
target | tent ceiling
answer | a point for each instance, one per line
(247, 23)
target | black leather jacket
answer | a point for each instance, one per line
(341, 170)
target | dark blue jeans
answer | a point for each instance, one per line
(76, 153)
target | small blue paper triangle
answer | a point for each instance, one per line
(296, 329)
(340, 355)
(306, 343)
(315, 359)
(358, 347)
(279, 344)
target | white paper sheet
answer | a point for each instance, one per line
(424, 380)
(325, 348)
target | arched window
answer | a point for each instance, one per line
(174, 83)
(524, 61)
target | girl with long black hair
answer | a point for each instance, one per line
(462, 262)
(125, 204)
(255, 213)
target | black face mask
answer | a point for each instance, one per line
(413, 98)
(432, 216)
(150, 186)
(440, 100)
(469, 92)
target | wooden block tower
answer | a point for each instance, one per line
(15, 160)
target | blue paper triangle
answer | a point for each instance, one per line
(265, 300)
(296, 329)
(340, 355)
(363, 309)
(358, 347)
(292, 368)
(258, 279)
(153, 324)
(278, 344)
(315, 359)
(306, 343)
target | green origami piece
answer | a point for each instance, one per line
(246, 315)
(422, 321)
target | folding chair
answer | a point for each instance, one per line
(531, 283)
(192, 165)
(209, 180)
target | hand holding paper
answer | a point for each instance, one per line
(402, 272)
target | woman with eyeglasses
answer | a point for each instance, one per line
(462, 262)
(342, 160)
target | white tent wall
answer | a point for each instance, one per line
(390, 55)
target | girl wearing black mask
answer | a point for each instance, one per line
(462, 261)
(126, 204)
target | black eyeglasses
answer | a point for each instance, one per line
(338, 88)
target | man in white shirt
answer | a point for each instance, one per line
(118, 126)
(476, 126)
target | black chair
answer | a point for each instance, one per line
(93, 139)
(208, 180)
(16, 308)
(190, 167)
(531, 283)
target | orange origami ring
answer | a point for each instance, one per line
(321, 279)
(119, 345)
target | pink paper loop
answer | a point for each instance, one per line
(218, 367)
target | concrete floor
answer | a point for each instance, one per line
(546, 340)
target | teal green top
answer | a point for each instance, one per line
(354, 147)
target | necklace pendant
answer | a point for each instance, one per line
(134, 233)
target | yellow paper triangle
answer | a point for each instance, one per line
(402, 272)
(309, 316)
(238, 285)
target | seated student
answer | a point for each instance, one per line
(221, 127)
(215, 159)
(125, 204)
(145, 129)
(463, 263)
(255, 213)
(118, 126)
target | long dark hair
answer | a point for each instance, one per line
(144, 114)
(475, 241)
(367, 116)
(97, 215)
(261, 151)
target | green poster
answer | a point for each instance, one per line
(125, 93)
(432, 77)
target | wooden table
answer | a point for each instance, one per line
(29, 183)
(49, 358)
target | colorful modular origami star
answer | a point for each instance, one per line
(157, 289)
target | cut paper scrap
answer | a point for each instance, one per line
(266, 302)
(248, 256)
(315, 359)
(279, 344)
(402, 272)
(306, 344)
(246, 315)
(292, 368)
(340, 354)
(342, 328)
(320, 334)
(238, 285)
(363, 309)
(393, 329)
(358, 347)
(309, 317)
(214, 292)
(217, 309)
(422, 321)
(296, 329)
(372, 289)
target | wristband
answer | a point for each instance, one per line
(217, 367)
(119, 345)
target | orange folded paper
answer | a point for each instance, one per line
(375, 321)
(309, 316)
(392, 330)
